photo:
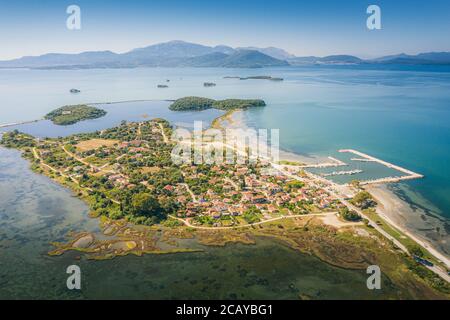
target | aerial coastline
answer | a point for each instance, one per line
(394, 210)
(131, 245)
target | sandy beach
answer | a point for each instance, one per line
(236, 120)
(428, 232)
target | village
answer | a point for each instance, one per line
(114, 166)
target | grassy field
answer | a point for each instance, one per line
(95, 144)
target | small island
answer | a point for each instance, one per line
(68, 115)
(199, 103)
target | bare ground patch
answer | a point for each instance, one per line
(95, 144)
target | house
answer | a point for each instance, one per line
(259, 199)
(274, 188)
(77, 168)
(124, 145)
(135, 143)
(247, 196)
(181, 199)
(169, 188)
(260, 206)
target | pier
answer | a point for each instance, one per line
(341, 173)
(335, 163)
(362, 160)
(410, 175)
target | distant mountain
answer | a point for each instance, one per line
(251, 59)
(209, 60)
(421, 58)
(168, 54)
(340, 59)
(239, 59)
(224, 49)
(184, 54)
(61, 59)
(174, 49)
(273, 52)
(334, 59)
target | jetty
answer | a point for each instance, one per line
(334, 163)
(362, 160)
(409, 175)
(341, 173)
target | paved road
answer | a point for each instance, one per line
(188, 224)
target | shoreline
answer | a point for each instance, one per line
(390, 203)
(22, 122)
(397, 213)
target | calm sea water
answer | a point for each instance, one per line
(34, 211)
(400, 115)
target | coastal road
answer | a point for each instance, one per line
(436, 269)
(188, 224)
(166, 140)
(194, 198)
(312, 178)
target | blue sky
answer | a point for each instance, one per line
(319, 27)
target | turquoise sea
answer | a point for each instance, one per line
(399, 114)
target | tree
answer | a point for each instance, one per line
(417, 251)
(363, 200)
(144, 204)
(355, 183)
(349, 215)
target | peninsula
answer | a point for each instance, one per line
(126, 175)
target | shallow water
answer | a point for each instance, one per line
(401, 116)
(116, 113)
(36, 211)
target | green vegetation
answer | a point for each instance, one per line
(230, 104)
(199, 103)
(363, 200)
(417, 251)
(68, 115)
(191, 103)
(16, 139)
(251, 215)
(349, 215)
(290, 163)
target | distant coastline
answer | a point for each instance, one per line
(184, 54)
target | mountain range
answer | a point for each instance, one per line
(185, 54)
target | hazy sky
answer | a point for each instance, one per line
(319, 27)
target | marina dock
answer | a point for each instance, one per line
(410, 175)
(335, 163)
(341, 173)
(362, 160)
